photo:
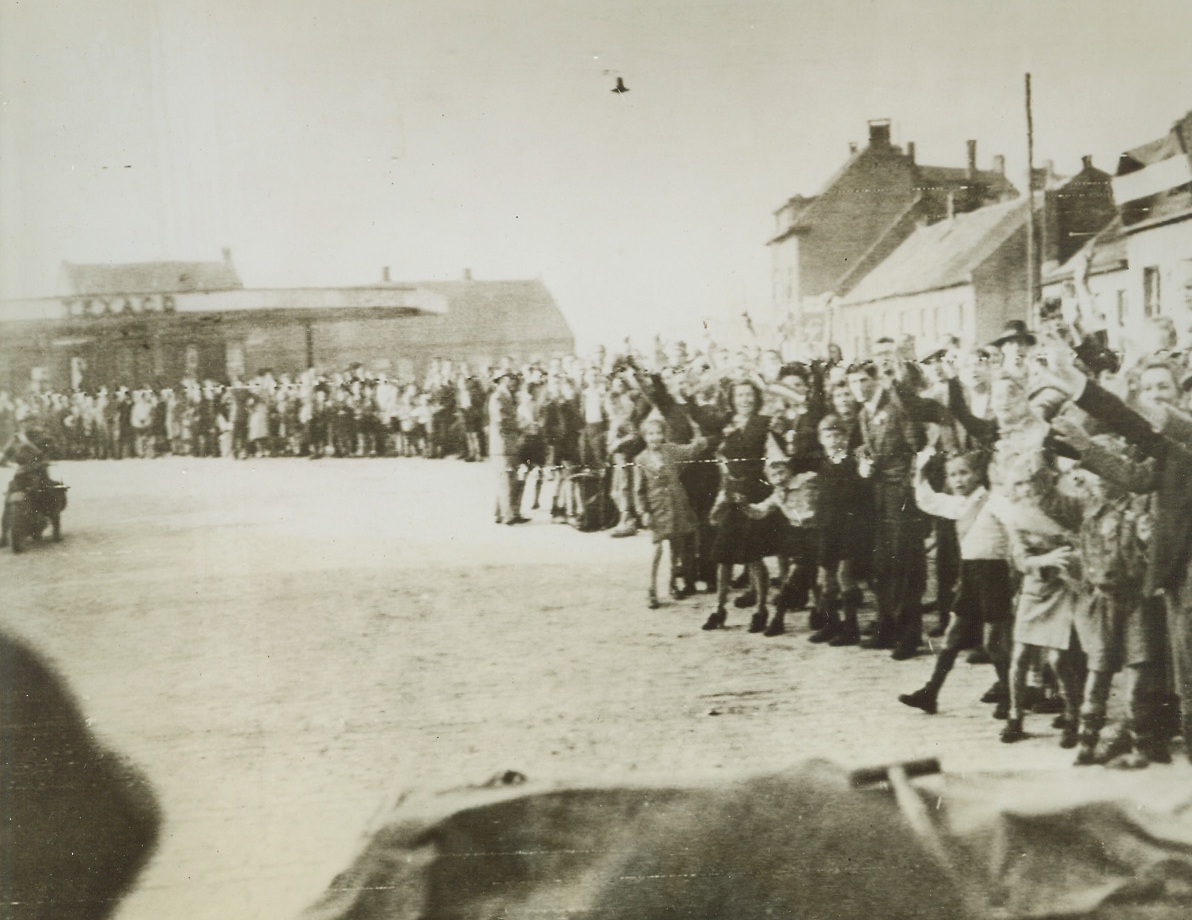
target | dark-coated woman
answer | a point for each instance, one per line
(739, 540)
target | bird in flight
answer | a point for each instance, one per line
(620, 87)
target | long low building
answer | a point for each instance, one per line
(964, 276)
(159, 322)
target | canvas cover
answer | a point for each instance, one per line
(797, 844)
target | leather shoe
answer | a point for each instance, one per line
(826, 634)
(880, 643)
(1012, 732)
(847, 636)
(746, 600)
(903, 651)
(716, 620)
(996, 693)
(757, 623)
(923, 698)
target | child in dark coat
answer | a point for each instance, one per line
(844, 513)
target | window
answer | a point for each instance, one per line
(1151, 302)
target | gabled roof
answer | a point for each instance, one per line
(1107, 250)
(942, 255)
(151, 277)
(1175, 142)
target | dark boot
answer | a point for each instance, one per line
(832, 622)
(777, 625)
(924, 698)
(996, 693)
(757, 623)
(716, 620)
(746, 600)
(849, 634)
(1013, 731)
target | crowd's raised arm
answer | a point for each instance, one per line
(1042, 482)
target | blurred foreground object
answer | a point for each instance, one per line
(77, 823)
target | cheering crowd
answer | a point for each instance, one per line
(1045, 478)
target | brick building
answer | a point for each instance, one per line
(827, 243)
(162, 321)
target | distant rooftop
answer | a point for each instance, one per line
(152, 277)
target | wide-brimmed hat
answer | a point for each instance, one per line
(1015, 331)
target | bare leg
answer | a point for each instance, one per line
(653, 594)
(1020, 663)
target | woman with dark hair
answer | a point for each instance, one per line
(738, 539)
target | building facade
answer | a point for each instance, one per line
(163, 322)
(826, 244)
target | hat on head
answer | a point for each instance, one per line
(1015, 331)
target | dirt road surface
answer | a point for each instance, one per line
(285, 645)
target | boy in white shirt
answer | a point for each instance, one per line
(984, 602)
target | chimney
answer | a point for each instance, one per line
(852, 147)
(385, 274)
(972, 159)
(999, 165)
(467, 274)
(1086, 162)
(879, 132)
(910, 151)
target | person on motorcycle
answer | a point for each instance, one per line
(29, 449)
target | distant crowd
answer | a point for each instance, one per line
(1042, 482)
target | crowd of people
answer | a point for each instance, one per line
(1045, 478)
(1042, 482)
(353, 413)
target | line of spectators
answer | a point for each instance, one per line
(1044, 481)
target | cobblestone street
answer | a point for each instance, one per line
(284, 645)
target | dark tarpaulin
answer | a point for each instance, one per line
(797, 844)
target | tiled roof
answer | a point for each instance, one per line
(151, 277)
(943, 254)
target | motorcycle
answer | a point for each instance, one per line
(32, 504)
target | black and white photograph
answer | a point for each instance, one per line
(542, 460)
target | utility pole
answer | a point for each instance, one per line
(1032, 281)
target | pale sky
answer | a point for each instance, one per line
(323, 139)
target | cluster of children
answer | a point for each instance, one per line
(1051, 503)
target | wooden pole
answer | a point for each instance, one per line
(1031, 275)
